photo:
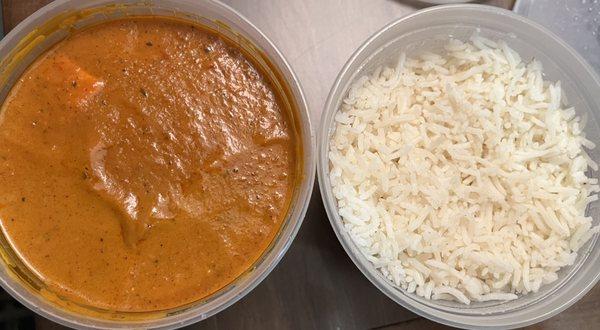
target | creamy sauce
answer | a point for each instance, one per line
(144, 164)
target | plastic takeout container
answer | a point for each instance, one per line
(57, 20)
(428, 30)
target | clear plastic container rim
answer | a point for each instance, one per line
(325, 129)
(241, 286)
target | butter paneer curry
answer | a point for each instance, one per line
(145, 163)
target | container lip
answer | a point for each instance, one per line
(263, 269)
(325, 127)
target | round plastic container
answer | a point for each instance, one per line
(429, 29)
(62, 17)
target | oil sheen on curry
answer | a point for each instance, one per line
(145, 163)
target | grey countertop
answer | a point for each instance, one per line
(316, 286)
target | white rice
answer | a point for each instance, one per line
(461, 175)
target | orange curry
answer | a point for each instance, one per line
(145, 163)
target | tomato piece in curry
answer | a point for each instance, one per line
(145, 163)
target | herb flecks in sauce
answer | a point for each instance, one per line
(127, 206)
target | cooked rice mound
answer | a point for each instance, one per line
(461, 175)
